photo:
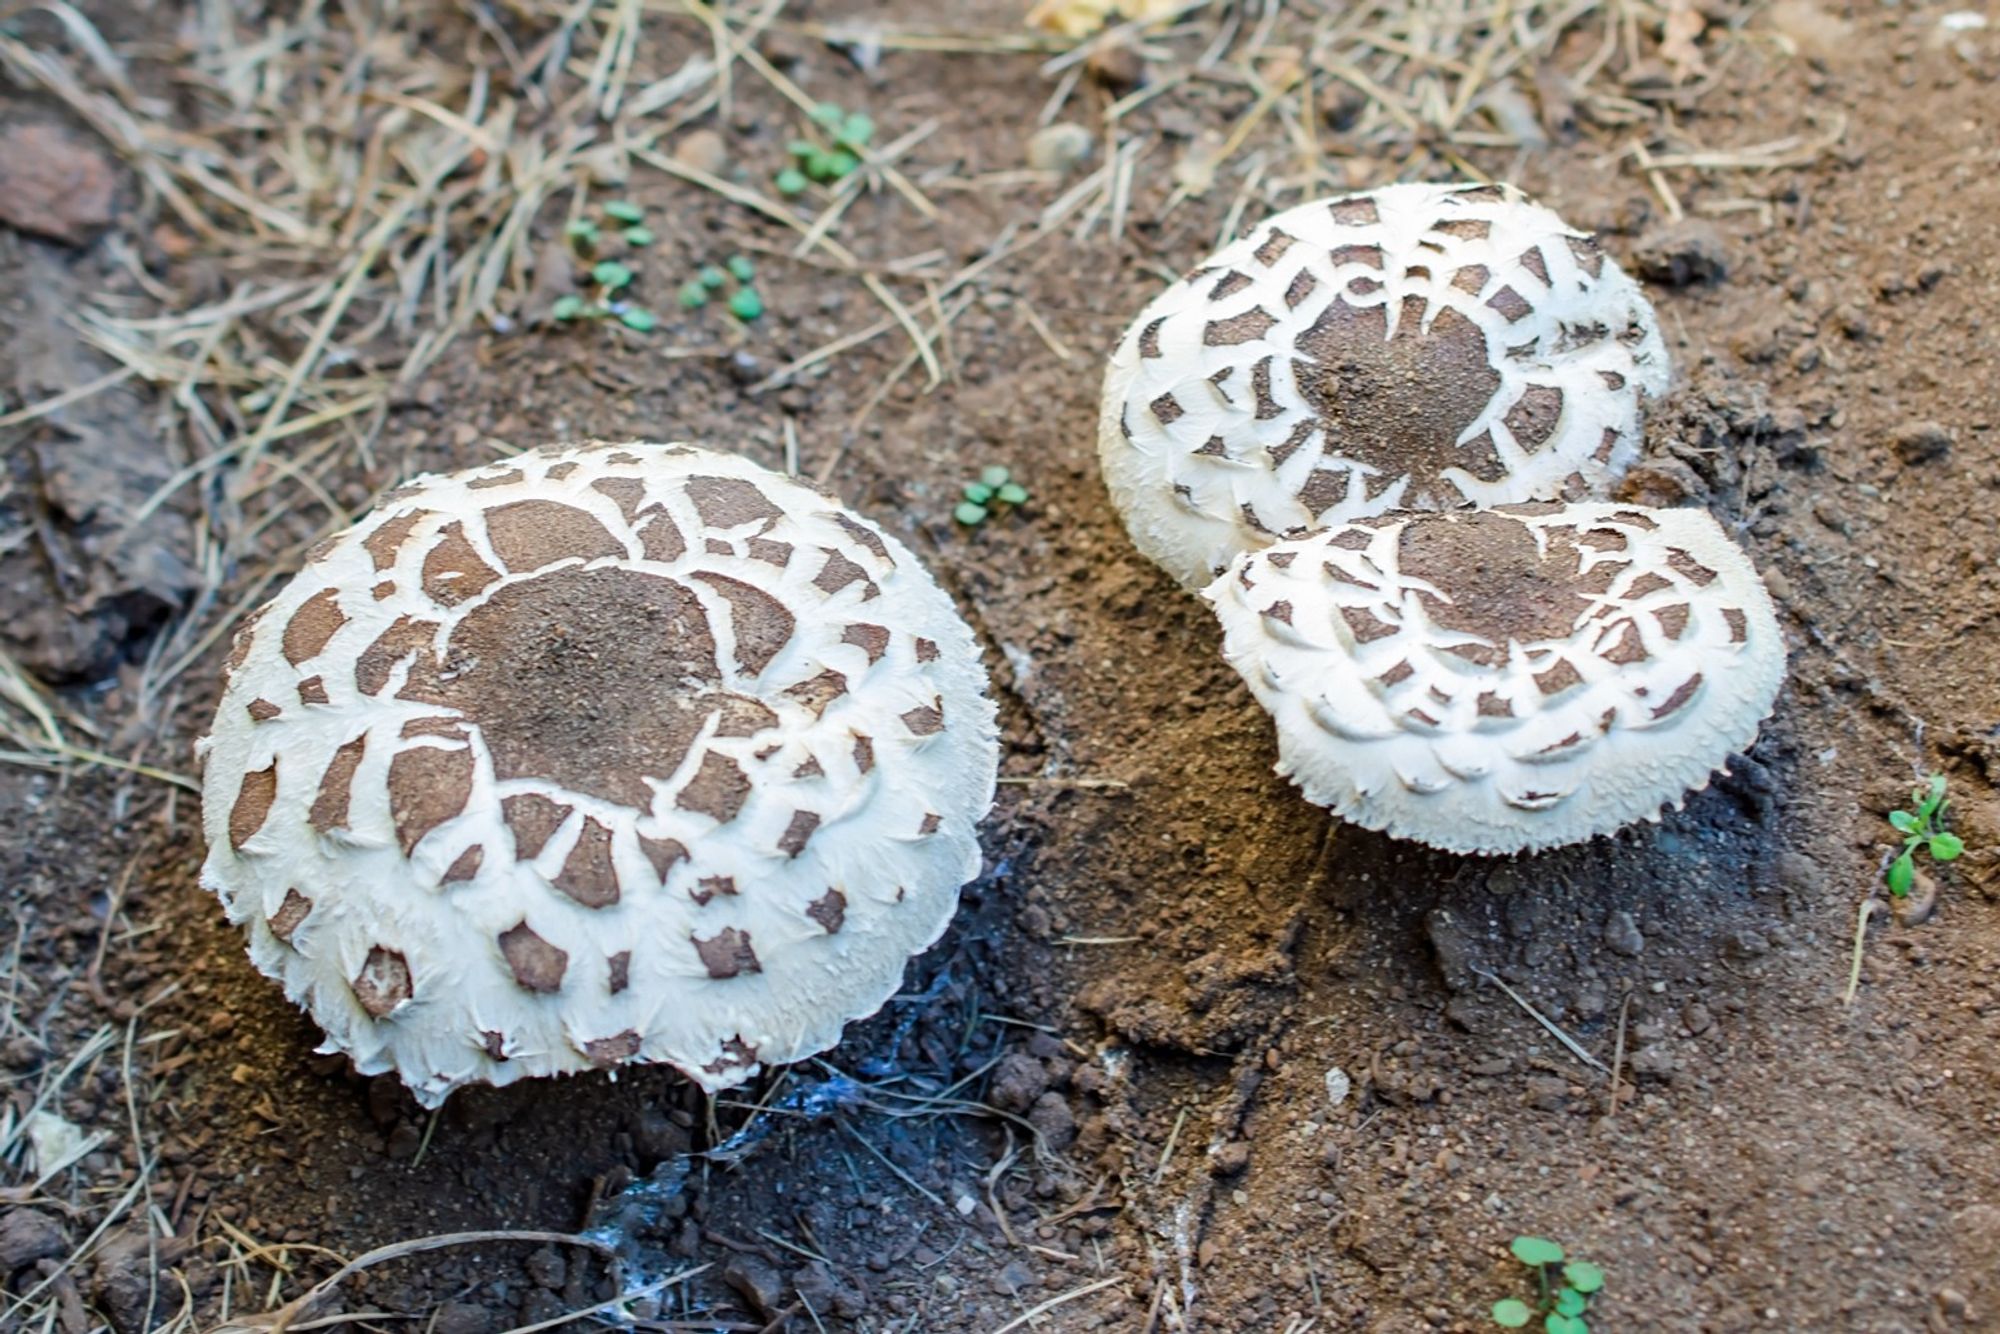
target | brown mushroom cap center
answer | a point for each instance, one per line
(1399, 404)
(594, 679)
(1501, 585)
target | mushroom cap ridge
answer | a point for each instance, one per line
(601, 755)
(1410, 347)
(1510, 680)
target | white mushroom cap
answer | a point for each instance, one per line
(1414, 347)
(1505, 680)
(612, 754)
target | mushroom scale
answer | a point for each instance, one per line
(1413, 347)
(1501, 681)
(620, 753)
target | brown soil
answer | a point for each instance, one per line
(1110, 1083)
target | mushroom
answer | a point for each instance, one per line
(619, 753)
(1414, 347)
(1506, 680)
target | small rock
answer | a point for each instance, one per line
(1014, 1278)
(1053, 1121)
(1952, 1304)
(53, 185)
(704, 150)
(463, 1318)
(1697, 1018)
(405, 1141)
(1338, 1085)
(28, 1235)
(1622, 936)
(125, 1284)
(1546, 1093)
(1654, 1061)
(1229, 1160)
(656, 1136)
(759, 1283)
(1118, 67)
(1681, 254)
(1745, 944)
(546, 1268)
(1920, 441)
(1920, 904)
(1453, 946)
(1018, 1080)
(1059, 147)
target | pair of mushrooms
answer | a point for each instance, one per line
(643, 753)
(1378, 434)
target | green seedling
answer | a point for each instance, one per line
(1565, 1288)
(1922, 828)
(848, 135)
(611, 275)
(582, 234)
(745, 304)
(994, 489)
(638, 236)
(712, 277)
(638, 320)
(693, 295)
(792, 181)
(622, 210)
(739, 268)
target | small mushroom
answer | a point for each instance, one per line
(1414, 347)
(620, 753)
(1501, 681)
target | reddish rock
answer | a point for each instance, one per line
(54, 185)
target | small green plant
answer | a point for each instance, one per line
(710, 279)
(836, 153)
(1565, 1288)
(610, 276)
(1922, 828)
(996, 488)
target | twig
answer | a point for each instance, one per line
(1542, 1019)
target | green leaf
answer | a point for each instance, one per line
(739, 268)
(820, 166)
(692, 295)
(610, 273)
(978, 492)
(1904, 822)
(1536, 1251)
(1570, 1302)
(1902, 874)
(1584, 1276)
(801, 148)
(1013, 494)
(969, 514)
(844, 163)
(637, 320)
(1946, 847)
(567, 307)
(857, 130)
(1511, 1314)
(792, 181)
(638, 236)
(994, 474)
(623, 210)
(1557, 1323)
(745, 304)
(828, 116)
(712, 277)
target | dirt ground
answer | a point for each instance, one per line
(1193, 1057)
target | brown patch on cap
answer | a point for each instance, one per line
(660, 540)
(1398, 674)
(736, 1055)
(663, 853)
(1358, 211)
(727, 953)
(819, 691)
(1365, 625)
(495, 1043)
(1499, 586)
(1323, 490)
(1647, 583)
(870, 639)
(1149, 339)
(537, 965)
(865, 535)
(729, 502)
(607, 1052)
(762, 624)
(627, 493)
(587, 874)
(1471, 279)
(1533, 261)
(1247, 327)
(1636, 519)
(1302, 286)
(798, 833)
(768, 551)
(1273, 248)
(1229, 285)
(290, 914)
(262, 710)
(808, 768)
(1465, 229)
(1511, 304)
(1607, 445)
(1681, 696)
(618, 971)
(864, 753)
(1492, 706)
(534, 819)
(383, 983)
(450, 728)
(926, 719)
(316, 621)
(312, 690)
(1351, 539)
(926, 651)
(1739, 626)
(453, 570)
(715, 546)
(1533, 418)
(1558, 678)
(253, 803)
(1280, 611)
(712, 885)
(1397, 404)
(1689, 568)
(329, 808)
(1604, 539)
(1674, 619)
(1166, 409)
(378, 661)
(427, 786)
(829, 910)
(1589, 257)
(465, 865)
(930, 823)
(1481, 457)
(717, 790)
(506, 477)
(1627, 648)
(382, 544)
(529, 534)
(839, 572)
(1260, 389)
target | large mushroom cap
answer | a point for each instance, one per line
(1505, 680)
(1415, 347)
(613, 754)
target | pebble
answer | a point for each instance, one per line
(1059, 147)
(1745, 944)
(1697, 1018)
(1338, 1085)
(1017, 1082)
(760, 1284)
(1622, 935)
(1230, 1160)
(547, 1268)
(463, 1318)
(55, 185)
(1681, 254)
(704, 150)
(1920, 441)
(28, 1235)
(1053, 1121)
